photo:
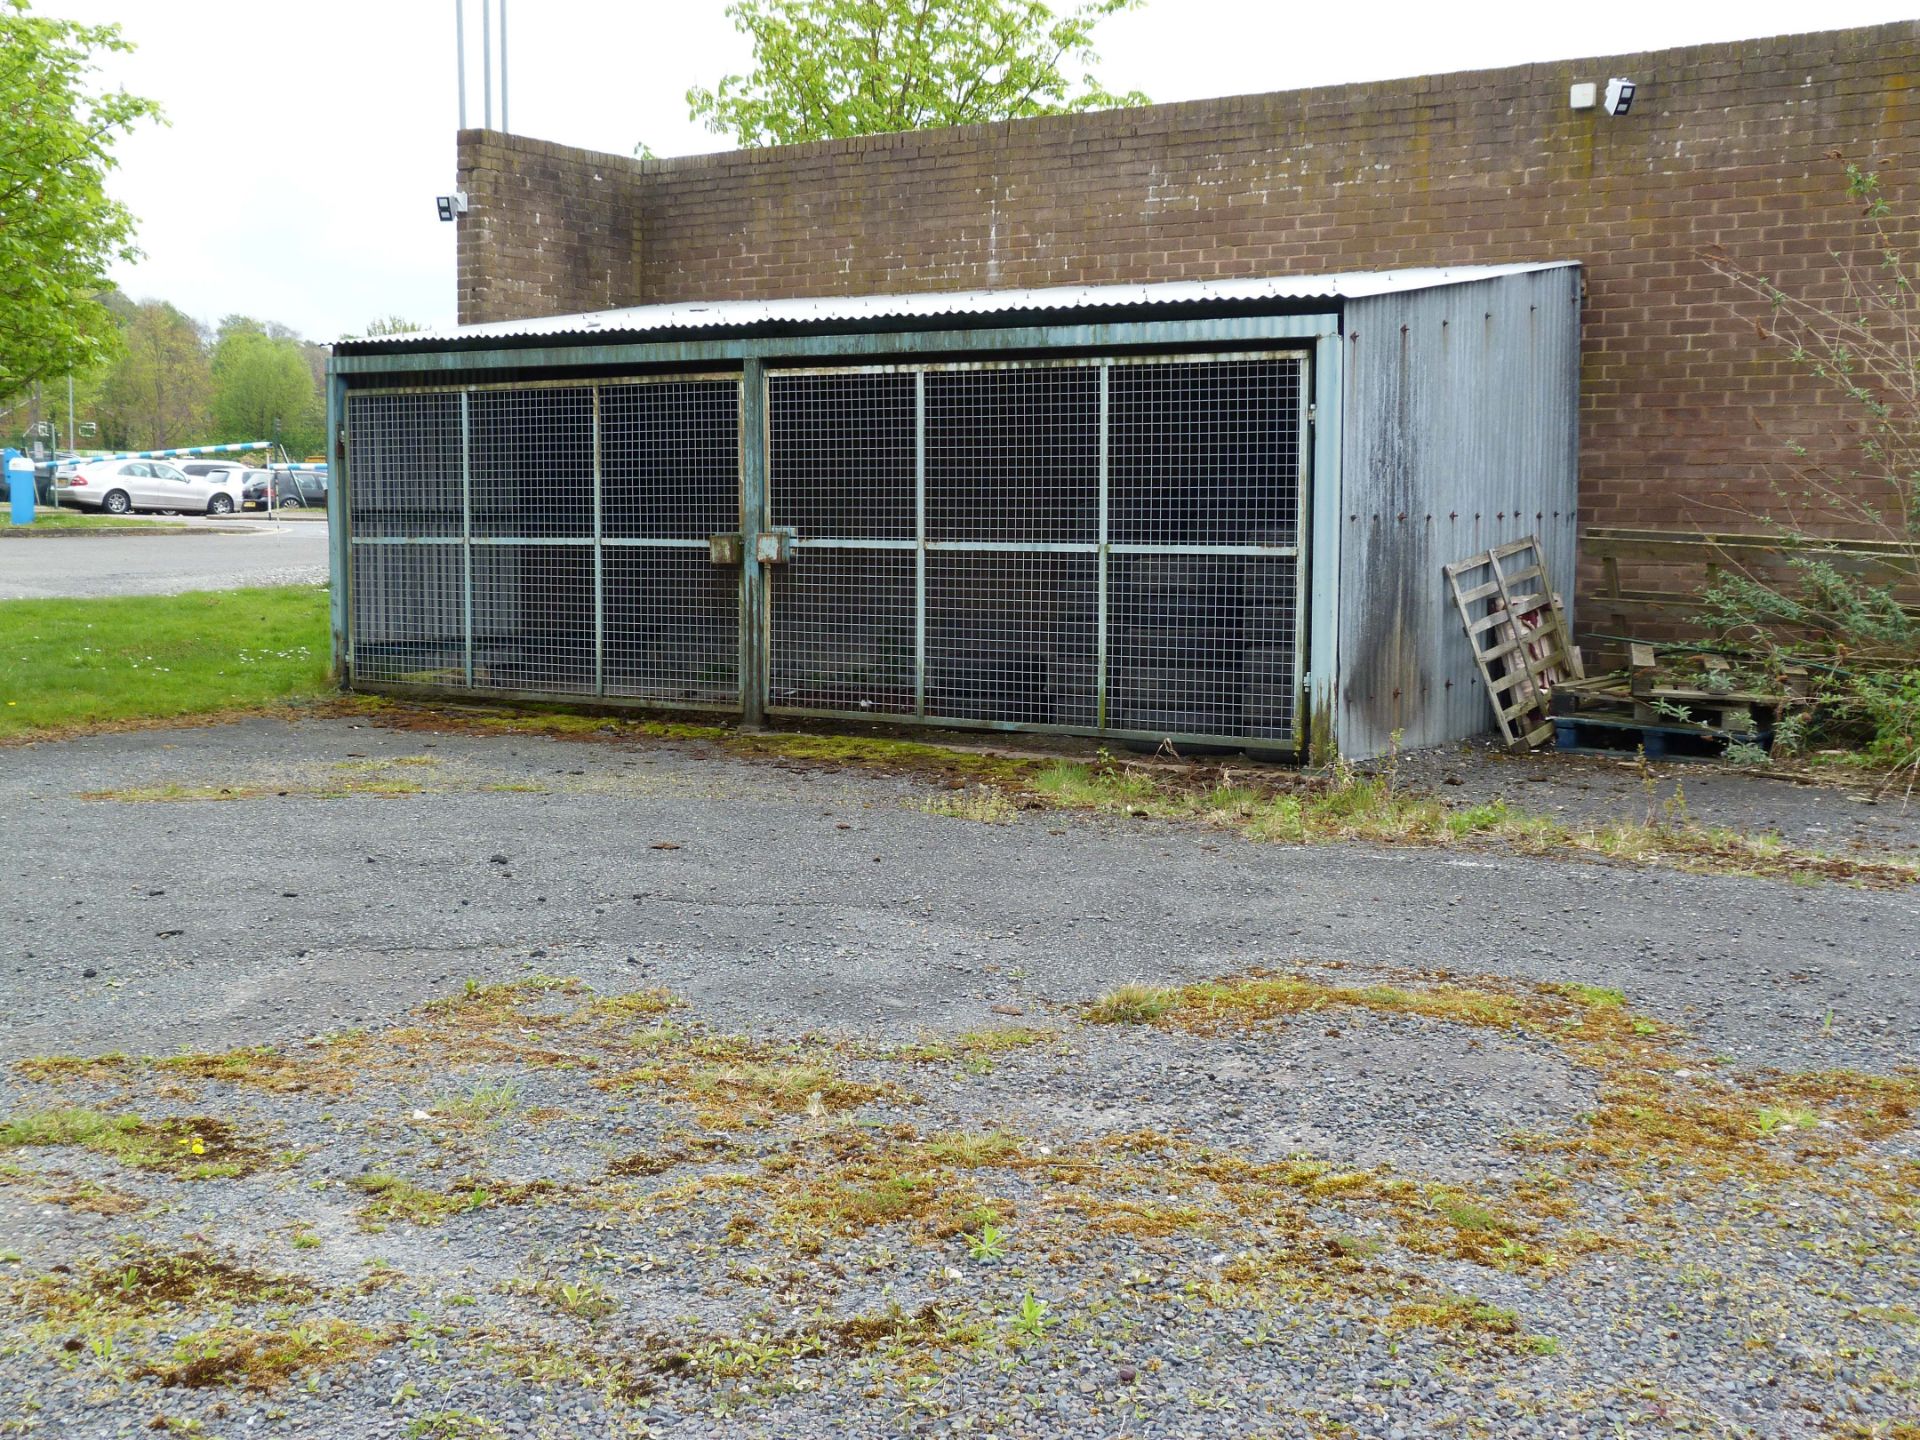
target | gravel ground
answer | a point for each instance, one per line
(243, 553)
(751, 1199)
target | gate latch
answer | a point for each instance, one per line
(723, 549)
(773, 547)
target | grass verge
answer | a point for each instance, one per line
(70, 664)
(45, 519)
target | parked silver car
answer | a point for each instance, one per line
(120, 486)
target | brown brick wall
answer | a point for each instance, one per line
(1686, 411)
(549, 230)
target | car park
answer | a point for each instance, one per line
(118, 487)
(293, 489)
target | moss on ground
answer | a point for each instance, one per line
(266, 1359)
(801, 1163)
(186, 1147)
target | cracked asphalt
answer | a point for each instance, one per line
(810, 898)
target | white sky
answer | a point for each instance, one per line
(309, 137)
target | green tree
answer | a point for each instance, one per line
(391, 325)
(159, 393)
(825, 69)
(58, 230)
(263, 385)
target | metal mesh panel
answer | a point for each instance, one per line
(672, 626)
(1202, 644)
(407, 614)
(670, 459)
(1205, 453)
(1013, 455)
(840, 454)
(524, 563)
(843, 632)
(531, 466)
(1012, 637)
(406, 465)
(533, 617)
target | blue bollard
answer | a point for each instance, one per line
(20, 479)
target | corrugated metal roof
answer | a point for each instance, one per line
(947, 305)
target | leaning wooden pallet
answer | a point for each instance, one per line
(1518, 631)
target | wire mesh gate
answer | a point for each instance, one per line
(1091, 545)
(547, 538)
(1100, 544)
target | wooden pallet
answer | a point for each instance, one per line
(1600, 735)
(1518, 632)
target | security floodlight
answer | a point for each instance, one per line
(451, 205)
(1619, 96)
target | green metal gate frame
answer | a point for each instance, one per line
(592, 356)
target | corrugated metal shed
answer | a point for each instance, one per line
(1211, 511)
(955, 305)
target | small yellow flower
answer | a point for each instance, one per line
(198, 1148)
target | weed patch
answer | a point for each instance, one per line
(266, 1359)
(60, 1068)
(1347, 805)
(392, 1198)
(142, 1281)
(190, 1148)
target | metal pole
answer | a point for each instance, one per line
(339, 595)
(503, 66)
(599, 484)
(753, 519)
(466, 535)
(70, 441)
(1103, 556)
(486, 59)
(460, 55)
(920, 543)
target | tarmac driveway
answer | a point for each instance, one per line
(242, 553)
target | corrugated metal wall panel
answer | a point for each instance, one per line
(1460, 433)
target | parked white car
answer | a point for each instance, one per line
(120, 486)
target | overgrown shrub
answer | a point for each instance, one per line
(1839, 604)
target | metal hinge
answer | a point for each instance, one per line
(1313, 412)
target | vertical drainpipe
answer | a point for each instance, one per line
(753, 516)
(339, 593)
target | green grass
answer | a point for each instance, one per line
(45, 518)
(67, 664)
